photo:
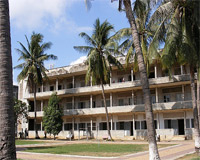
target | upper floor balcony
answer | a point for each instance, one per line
(123, 109)
(114, 86)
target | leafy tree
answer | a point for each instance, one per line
(7, 129)
(100, 50)
(20, 111)
(52, 120)
(182, 46)
(33, 68)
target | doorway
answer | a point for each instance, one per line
(181, 130)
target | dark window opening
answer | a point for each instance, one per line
(51, 88)
(68, 126)
(59, 87)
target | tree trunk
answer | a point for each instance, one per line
(106, 109)
(198, 93)
(7, 125)
(195, 112)
(35, 111)
(153, 150)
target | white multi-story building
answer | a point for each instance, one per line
(84, 110)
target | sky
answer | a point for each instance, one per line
(60, 22)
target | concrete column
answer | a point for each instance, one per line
(183, 92)
(158, 121)
(41, 125)
(181, 69)
(111, 100)
(91, 124)
(63, 126)
(110, 78)
(42, 105)
(91, 81)
(42, 88)
(73, 120)
(111, 121)
(73, 104)
(155, 71)
(73, 82)
(132, 97)
(133, 124)
(132, 74)
(90, 101)
(156, 95)
(57, 84)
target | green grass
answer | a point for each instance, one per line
(105, 150)
(27, 142)
(193, 156)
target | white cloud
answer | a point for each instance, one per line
(80, 60)
(34, 14)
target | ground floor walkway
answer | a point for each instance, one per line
(169, 153)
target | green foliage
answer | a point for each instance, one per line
(52, 120)
(20, 110)
(100, 52)
(33, 56)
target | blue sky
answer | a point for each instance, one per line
(60, 21)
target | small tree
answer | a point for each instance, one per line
(20, 111)
(52, 120)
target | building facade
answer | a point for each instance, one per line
(84, 112)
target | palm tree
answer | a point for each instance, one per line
(7, 129)
(100, 59)
(153, 150)
(33, 68)
(182, 45)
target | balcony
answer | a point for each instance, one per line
(161, 81)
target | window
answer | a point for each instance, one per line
(67, 126)
(103, 126)
(93, 104)
(59, 87)
(129, 78)
(177, 70)
(179, 97)
(107, 103)
(155, 124)
(166, 98)
(68, 105)
(187, 123)
(143, 125)
(39, 90)
(153, 99)
(137, 125)
(75, 126)
(121, 102)
(93, 126)
(82, 126)
(81, 105)
(51, 88)
(130, 101)
(69, 85)
(152, 74)
(38, 126)
(167, 124)
(89, 126)
(120, 125)
(192, 122)
(82, 84)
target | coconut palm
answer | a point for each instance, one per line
(182, 45)
(7, 129)
(153, 150)
(33, 68)
(100, 59)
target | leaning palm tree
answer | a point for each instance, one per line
(33, 68)
(100, 59)
(7, 129)
(182, 45)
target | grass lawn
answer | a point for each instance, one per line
(193, 156)
(26, 142)
(106, 150)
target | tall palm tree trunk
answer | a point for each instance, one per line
(153, 150)
(198, 94)
(195, 111)
(35, 111)
(7, 125)
(106, 109)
